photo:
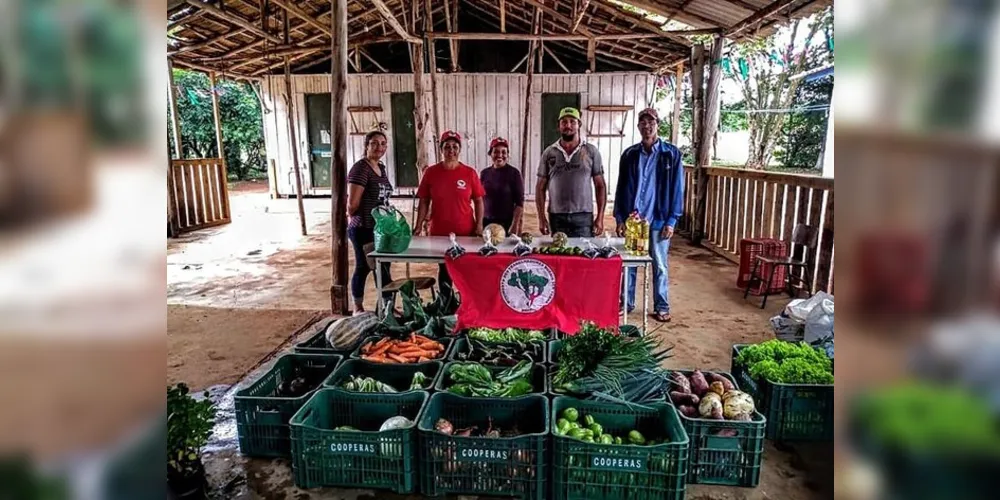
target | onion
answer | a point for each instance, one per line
(443, 426)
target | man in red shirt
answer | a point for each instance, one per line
(449, 190)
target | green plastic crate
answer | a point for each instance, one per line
(365, 458)
(727, 460)
(399, 376)
(794, 412)
(513, 466)
(539, 377)
(262, 419)
(461, 344)
(445, 342)
(554, 347)
(582, 470)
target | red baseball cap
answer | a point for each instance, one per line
(450, 135)
(651, 113)
(499, 141)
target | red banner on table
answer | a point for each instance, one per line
(536, 291)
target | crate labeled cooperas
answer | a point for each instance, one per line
(484, 446)
(726, 452)
(610, 451)
(794, 412)
(535, 374)
(358, 375)
(264, 408)
(350, 439)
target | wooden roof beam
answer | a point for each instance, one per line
(206, 43)
(757, 17)
(297, 11)
(558, 15)
(393, 22)
(579, 10)
(668, 12)
(639, 21)
(233, 18)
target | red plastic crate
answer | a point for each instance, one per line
(750, 248)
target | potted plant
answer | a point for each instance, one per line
(189, 424)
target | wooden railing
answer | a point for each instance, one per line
(199, 194)
(752, 204)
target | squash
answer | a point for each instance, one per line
(495, 233)
(345, 333)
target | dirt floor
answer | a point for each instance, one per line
(260, 261)
(211, 346)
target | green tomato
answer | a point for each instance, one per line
(588, 420)
(607, 439)
(562, 424)
(574, 425)
(618, 440)
(571, 414)
(588, 439)
(596, 427)
(576, 433)
(634, 437)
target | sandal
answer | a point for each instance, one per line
(661, 317)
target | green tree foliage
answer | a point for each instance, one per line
(242, 129)
(804, 133)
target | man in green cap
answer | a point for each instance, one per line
(566, 170)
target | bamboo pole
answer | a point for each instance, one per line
(338, 161)
(527, 91)
(432, 60)
(675, 119)
(709, 125)
(290, 112)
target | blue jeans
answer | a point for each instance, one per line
(658, 250)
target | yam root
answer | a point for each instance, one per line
(726, 383)
(727, 433)
(717, 413)
(742, 417)
(688, 411)
(681, 383)
(699, 385)
(680, 398)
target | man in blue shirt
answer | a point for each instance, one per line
(651, 182)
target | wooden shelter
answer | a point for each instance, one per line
(485, 67)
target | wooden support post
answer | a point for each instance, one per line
(535, 28)
(212, 82)
(579, 10)
(675, 119)
(503, 16)
(338, 161)
(419, 113)
(697, 87)
(592, 54)
(451, 43)
(372, 59)
(173, 226)
(710, 123)
(393, 22)
(432, 67)
(174, 120)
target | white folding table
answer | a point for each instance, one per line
(431, 250)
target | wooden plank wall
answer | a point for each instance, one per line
(199, 193)
(753, 204)
(480, 106)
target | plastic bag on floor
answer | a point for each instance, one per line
(799, 309)
(787, 329)
(819, 323)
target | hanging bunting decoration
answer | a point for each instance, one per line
(727, 66)
(744, 68)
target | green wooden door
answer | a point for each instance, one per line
(404, 139)
(551, 104)
(318, 127)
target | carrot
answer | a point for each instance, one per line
(422, 359)
(397, 358)
(416, 353)
(421, 338)
(374, 359)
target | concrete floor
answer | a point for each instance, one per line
(261, 261)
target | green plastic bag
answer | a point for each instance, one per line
(392, 232)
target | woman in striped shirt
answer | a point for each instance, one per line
(368, 187)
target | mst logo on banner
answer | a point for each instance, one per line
(528, 285)
(536, 292)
